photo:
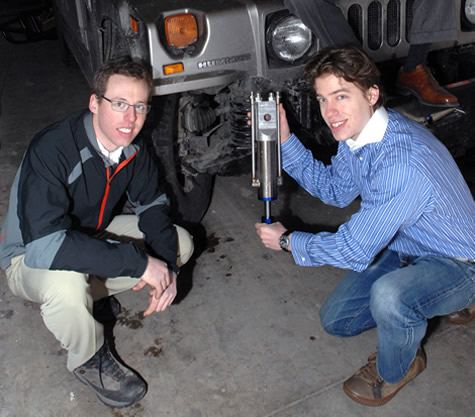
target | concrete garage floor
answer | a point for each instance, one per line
(244, 341)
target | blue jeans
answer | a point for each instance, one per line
(397, 294)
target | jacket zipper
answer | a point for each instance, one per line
(108, 185)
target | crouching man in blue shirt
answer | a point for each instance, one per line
(410, 247)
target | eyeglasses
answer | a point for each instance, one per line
(123, 107)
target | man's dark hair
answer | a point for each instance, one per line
(121, 66)
(348, 62)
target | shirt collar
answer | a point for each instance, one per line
(110, 158)
(113, 156)
(372, 132)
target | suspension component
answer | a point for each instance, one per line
(240, 130)
(265, 143)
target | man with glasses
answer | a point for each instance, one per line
(62, 244)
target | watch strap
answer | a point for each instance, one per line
(281, 240)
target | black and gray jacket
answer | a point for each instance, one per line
(65, 193)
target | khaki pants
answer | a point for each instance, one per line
(67, 297)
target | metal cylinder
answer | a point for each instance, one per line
(266, 169)
(266, 165)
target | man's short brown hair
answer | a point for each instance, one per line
(348, 62)
(126, 66)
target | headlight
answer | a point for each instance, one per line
(290, 39)
(470, 11)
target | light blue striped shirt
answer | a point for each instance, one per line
(414, 198)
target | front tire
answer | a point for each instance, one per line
(189, 194)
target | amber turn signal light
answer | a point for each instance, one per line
(181, 30)
(173, 68)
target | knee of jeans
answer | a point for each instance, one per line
(385, 300)
(333, 325)
(330, 327)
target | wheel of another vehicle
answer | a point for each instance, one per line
(189, 194)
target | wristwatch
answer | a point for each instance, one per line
(284, 240)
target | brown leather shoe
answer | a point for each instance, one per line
(366, 386)
(463, 316)
(422, 84)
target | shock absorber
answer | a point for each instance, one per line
(265, 142)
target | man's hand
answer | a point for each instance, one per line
(270, 234)
(284, 125)
(161, 302)
(162, 282)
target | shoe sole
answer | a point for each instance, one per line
(368, 402)
(376, 403)
(408, 92)
(461, 319)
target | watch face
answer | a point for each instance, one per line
(284, 242)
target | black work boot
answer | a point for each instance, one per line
(115, 384)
